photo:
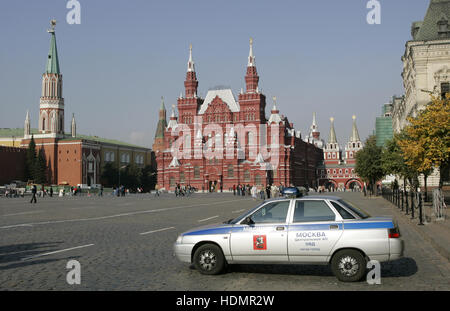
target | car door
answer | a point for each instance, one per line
(314, 230)
(265, 240)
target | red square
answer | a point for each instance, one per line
(259, 242)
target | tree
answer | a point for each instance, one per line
(148, 178)
(369, 162)
(40, 168)
(393, 162)
(426, 143)
(131, 178)
(30, 160)
(110, 175)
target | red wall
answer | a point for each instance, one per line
(12, 164)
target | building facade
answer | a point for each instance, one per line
(218, 142)
(426, 67)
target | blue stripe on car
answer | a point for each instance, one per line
(368, 225)
(221, 230)
(302, 227)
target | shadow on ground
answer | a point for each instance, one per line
(399, 268)
(20, 252)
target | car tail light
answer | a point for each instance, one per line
(394, 233)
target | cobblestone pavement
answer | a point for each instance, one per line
(126, 244)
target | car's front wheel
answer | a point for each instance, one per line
(209, 259)
(349, 265)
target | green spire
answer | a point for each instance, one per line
(162, 107)
(52, 61)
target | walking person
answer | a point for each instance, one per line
(33, 192)
(268, 191)
(51, 192)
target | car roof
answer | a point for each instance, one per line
(323, 197)
(316, 197)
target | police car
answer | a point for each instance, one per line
(306, 230)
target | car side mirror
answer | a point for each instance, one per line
(248, 221)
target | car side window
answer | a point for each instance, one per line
(275, 212)
(344, 214)
(314, 210)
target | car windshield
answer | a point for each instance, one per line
(239, 218)
(354, 209)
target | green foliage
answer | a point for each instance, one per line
(35, 164)
(110, 175)
(369, 163)
(131, 176)
(30, 159)
(392, 158)
(40, 168)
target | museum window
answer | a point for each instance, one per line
(258, 180)
(182, 177)
(196, 172)
(246, 175)
(230, 171)
(172, 181)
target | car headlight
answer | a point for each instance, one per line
(180, 239)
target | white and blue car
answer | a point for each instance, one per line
(306, 230)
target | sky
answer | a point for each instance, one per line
(315, 56)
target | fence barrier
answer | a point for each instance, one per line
(400, 199)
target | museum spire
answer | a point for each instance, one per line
(251, 78)
(191, 83)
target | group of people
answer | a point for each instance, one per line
(42, 193)
(120, 191)
(270, 191)
(183, 190)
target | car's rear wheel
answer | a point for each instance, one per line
(349, 265)
(209, 259)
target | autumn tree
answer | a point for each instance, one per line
(426, 141)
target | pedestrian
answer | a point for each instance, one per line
(156, 190)
(268, 191)
(253, 192)
(101, 190)
(261, 192)
(51, 192)
(33, 192)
